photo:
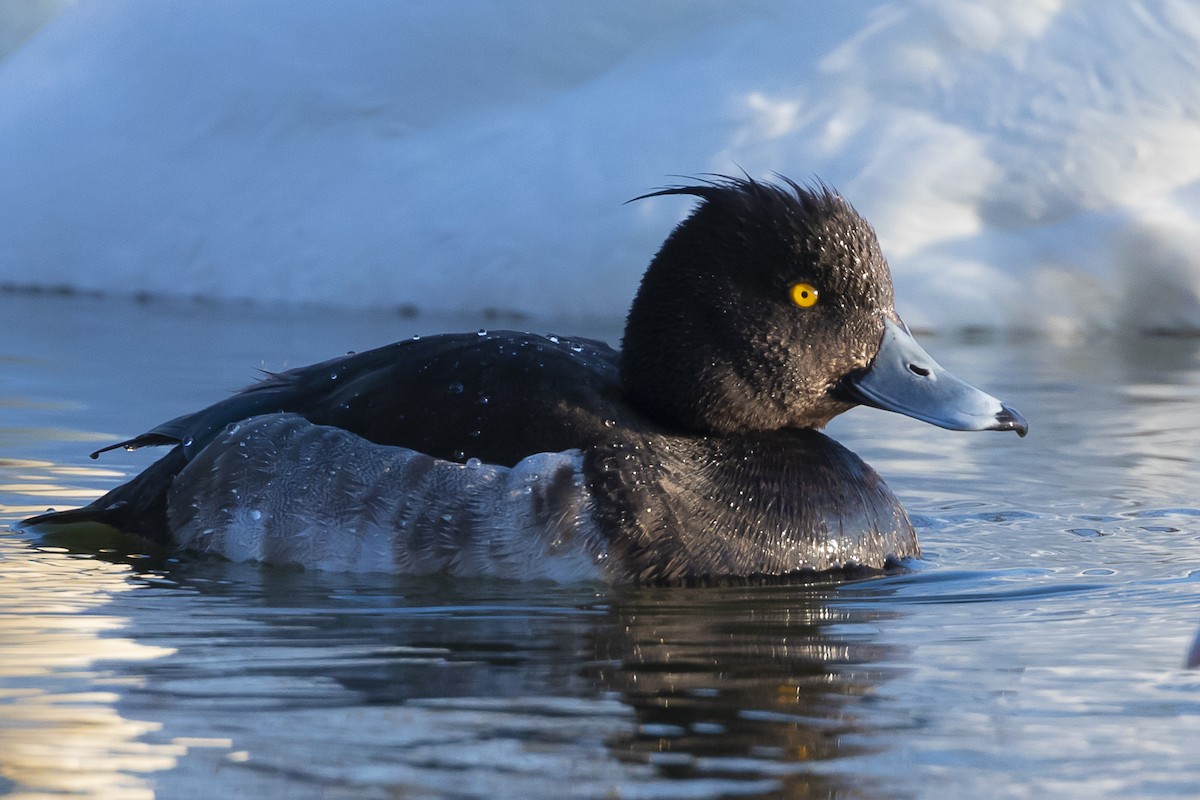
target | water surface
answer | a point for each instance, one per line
(1036, 650)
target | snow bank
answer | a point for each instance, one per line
(1027, 163)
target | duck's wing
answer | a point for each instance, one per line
(498, 396)
(426, 394)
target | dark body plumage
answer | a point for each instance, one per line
(690, 455)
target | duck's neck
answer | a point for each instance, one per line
(676, 364)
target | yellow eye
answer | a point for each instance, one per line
(804, 295)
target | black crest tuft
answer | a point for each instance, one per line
(749, 198)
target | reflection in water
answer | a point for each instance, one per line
(31, 480)
(354, 684)
(59, 729)
(739, 683)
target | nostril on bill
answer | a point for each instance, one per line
(917, 369)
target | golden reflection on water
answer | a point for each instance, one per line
(60, 732)
(37, 479)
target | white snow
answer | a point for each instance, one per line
(1027, 163)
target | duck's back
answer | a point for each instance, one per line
(498, 397)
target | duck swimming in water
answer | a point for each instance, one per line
(693, 454)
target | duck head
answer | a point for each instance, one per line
(771, 307)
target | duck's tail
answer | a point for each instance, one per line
(138, 507)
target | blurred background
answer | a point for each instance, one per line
(1028, 164)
